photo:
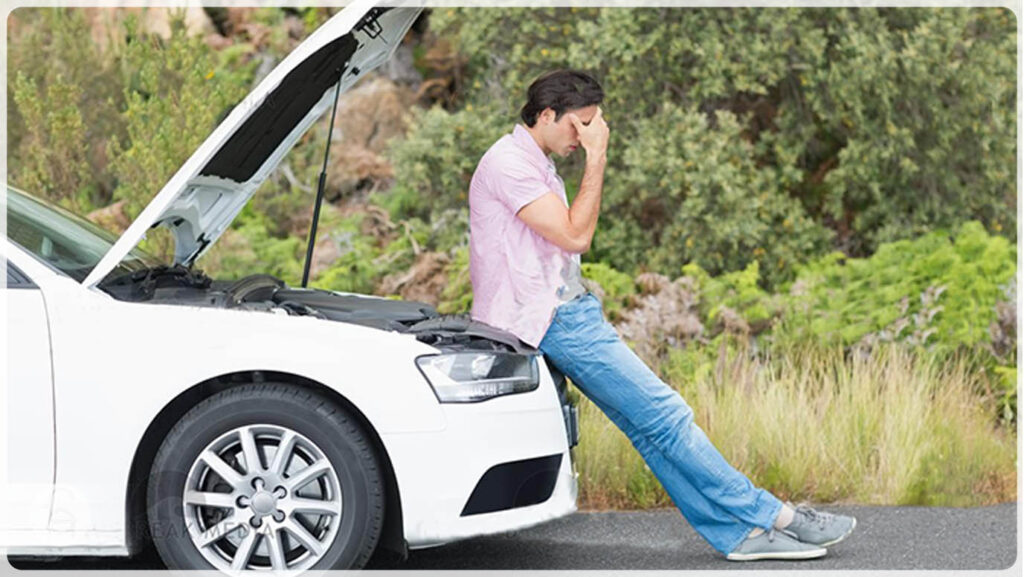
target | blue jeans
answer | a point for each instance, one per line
(721, 504)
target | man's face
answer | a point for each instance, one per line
(560, 137)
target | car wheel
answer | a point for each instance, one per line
(266, 476)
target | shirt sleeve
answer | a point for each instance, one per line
(517, 184)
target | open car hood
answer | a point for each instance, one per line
(206, 194)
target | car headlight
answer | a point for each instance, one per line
(468, 377)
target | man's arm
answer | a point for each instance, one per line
(572, 228)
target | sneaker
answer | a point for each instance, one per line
(774, 544)
(818, 528)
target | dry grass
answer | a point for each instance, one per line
(895, 428)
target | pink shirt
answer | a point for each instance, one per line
(518, 277)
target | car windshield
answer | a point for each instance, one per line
(65, 241)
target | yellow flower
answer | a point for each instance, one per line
(209, 75)
(543, 51)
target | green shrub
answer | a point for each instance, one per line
(248, 248)
(738, 291)
(63, 97)
(700, 195)
(457, 296)
(175, 94)
(941, 289)
(358, 268)
(435, 161)
(618, 287)
(853, 127)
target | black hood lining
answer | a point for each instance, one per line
(283, 108)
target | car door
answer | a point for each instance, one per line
(29, 447)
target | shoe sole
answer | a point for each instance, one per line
(781, 555)
(841, 537)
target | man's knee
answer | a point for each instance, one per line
(673, 421)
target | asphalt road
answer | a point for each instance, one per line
(885, 538)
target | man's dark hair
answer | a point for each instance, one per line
(560, 90)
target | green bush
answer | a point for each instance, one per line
(435, 161)
(358, 268)
(248, 248)
(618, 287)
(726, 210)
(943, 288)
(457, 296)
(64, 102)
(916, 109)
(738, 291)
(175, 92)
(767, 134)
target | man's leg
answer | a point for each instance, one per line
(718, 526)
(721, 503)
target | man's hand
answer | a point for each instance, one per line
(572, 228)
(593, 136)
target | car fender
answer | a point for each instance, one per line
(117, 365)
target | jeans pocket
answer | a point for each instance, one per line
(562, 319)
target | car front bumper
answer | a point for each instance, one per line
(498, 466)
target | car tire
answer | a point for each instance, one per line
(204, 500)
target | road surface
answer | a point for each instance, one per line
(885, 538)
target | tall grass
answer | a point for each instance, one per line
(892, 428)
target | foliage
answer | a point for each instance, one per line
(357, 269)
(841, 300)
(63, 108)
(920, 114)
(893, 428)
(435, 161)
(175, 94)
(457, 296)
(850, 126)
(738, 291)
(247, 248)
(617, 286)
(53, 148)
(727, 210)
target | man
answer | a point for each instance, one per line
(525, 242)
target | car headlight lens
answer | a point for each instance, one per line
(468, 377)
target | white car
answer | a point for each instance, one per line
(247, 424)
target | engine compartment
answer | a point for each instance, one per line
(179, 285)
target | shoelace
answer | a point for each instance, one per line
(822, 519)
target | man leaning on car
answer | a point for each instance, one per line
(525, 246)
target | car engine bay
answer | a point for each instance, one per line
(180, 285)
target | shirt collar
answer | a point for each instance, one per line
(522, 137)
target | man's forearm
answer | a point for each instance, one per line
(587, 204)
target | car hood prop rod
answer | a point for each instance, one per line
(322, 182)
